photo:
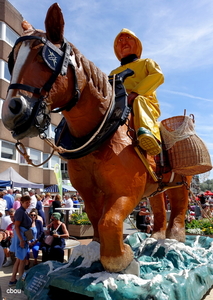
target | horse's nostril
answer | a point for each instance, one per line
(15, 106)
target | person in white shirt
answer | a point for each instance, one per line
(68, 202)
(6, 220)
(33, 201)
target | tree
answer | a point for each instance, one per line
(207, 185)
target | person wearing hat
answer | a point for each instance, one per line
(143, 220)
(141, 89)
(59, 232)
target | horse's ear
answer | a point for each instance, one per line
(26, 26)
(54, 24)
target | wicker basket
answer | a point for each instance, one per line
(189, 156)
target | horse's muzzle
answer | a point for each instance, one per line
(15, 112)
(21, 116)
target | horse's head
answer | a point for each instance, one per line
(40, 77)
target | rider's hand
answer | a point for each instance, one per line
(131, 98)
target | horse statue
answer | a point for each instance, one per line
(49, 74)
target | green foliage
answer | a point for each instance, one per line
(203, 226)
(79, 219)
(207, 185)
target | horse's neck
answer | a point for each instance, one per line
(95, 98)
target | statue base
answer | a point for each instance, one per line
(170, 270)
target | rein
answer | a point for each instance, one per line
(112, 102)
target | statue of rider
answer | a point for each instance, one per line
(141, 88)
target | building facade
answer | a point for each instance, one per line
(37, 149)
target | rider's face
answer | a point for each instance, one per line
(126, 45)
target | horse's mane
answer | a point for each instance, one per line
(93, 73)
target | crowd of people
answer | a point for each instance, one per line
(199, 208)
(24, 228)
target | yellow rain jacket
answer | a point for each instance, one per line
(146, 79)
(148, 76)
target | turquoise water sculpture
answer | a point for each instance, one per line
(170, 270)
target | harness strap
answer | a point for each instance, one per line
(58, 62)
(146, 163)
(28, 88)
(66, 59)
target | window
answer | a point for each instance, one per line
(4, 72)
(50, 164)
(64, 172)
(1, 103)
(45, 156)
(54, 160)
(11, 36)
(22, 160)
(1, 31)
(50, 132)
(7, 34)
(35, 155)
(8, 151)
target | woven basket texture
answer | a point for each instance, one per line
(173, 123)
(189, 156)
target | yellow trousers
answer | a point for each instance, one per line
(146, 112)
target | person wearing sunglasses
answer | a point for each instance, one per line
(58, 230)
(38, 233)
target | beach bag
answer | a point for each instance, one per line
(188, 154)
(29, 235)
(49, 240)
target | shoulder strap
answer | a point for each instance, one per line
(58, 226)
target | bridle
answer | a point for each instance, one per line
(57, 60)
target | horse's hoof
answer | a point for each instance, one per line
(158, 235)
(115, 264)
(133, 268)
(176, 234)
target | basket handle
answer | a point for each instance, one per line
(193, 117)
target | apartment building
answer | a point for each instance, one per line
(10, 30)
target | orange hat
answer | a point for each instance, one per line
(139, 44)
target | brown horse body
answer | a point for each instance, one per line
(111, 180)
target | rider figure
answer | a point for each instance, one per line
(141, 89)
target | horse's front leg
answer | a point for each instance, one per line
(115, 255)
(94, 201)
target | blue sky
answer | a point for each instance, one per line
(178, 35)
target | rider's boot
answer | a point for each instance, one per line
(148, 142)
